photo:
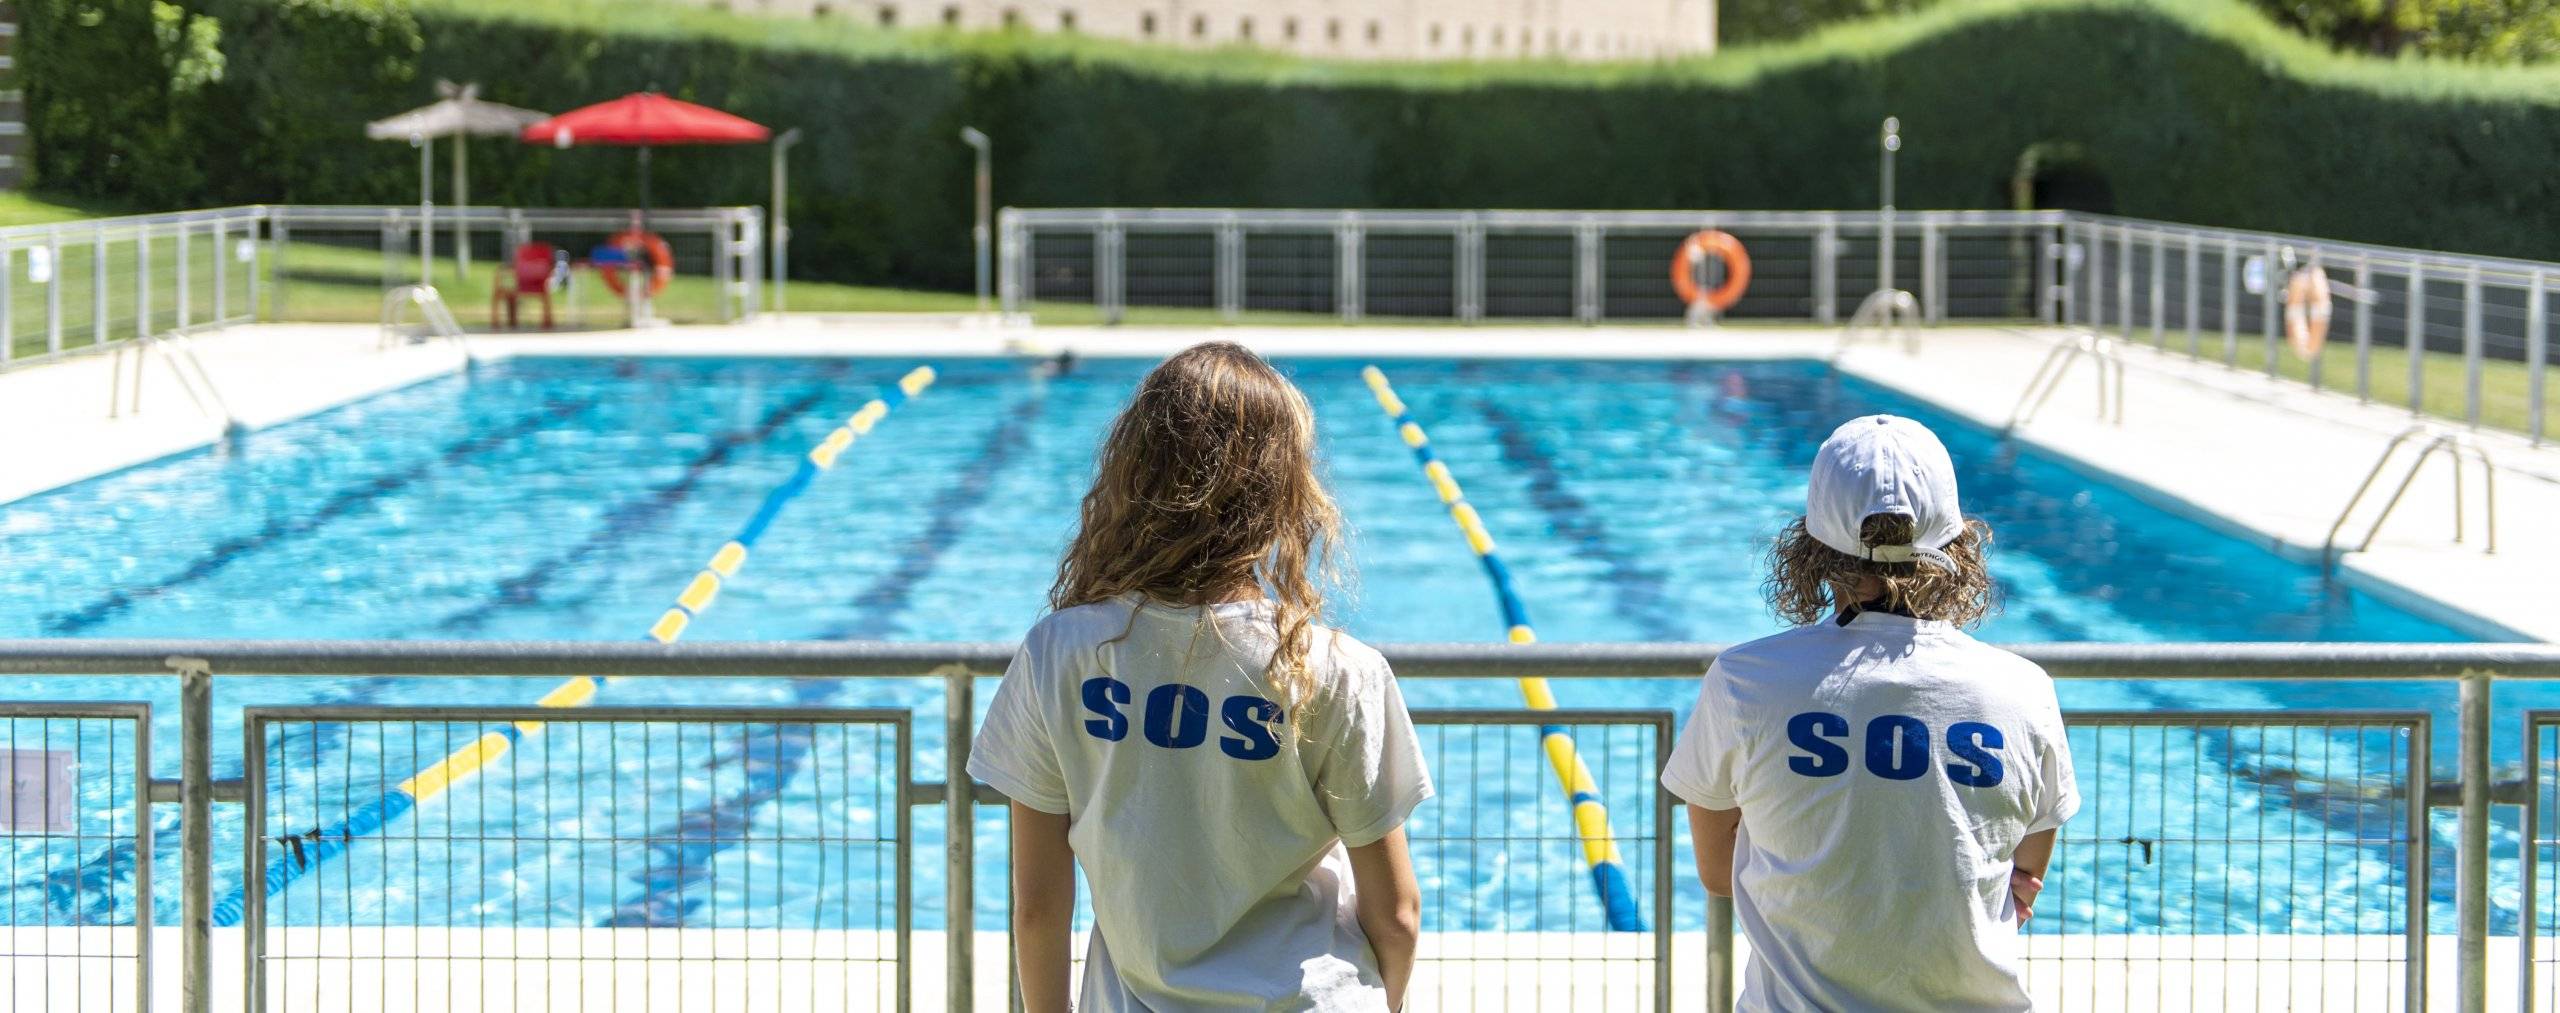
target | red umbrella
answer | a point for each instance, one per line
(644, 120)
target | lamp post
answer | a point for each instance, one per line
(780, 238)
(1890, 143)
(978, 231)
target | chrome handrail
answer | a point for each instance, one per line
(176, 348)
(2456, 446)
(1884, 314)
(2100, 350)
(436, 320)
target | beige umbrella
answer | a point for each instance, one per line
(460, 114)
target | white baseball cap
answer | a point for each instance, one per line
(1884, 464)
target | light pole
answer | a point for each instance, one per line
(978, 233)
(780, 239)
(1890, 143)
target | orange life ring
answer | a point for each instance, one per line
(2306, 311)
(662, 261)
(1693, 252)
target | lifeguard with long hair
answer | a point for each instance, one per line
(1233, 776)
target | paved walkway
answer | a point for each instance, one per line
(2263, 459)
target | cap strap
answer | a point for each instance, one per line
(1910, 554)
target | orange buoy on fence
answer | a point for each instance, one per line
(2306, 311)
(1693, 254)
(646, 245)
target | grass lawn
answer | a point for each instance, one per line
(2505, 386)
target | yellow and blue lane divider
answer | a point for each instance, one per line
(329, 842)
(1590, 813)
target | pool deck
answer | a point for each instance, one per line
(2267, 460)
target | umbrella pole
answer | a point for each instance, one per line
(461, 204)
(426, 211)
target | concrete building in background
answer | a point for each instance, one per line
(1350, 29)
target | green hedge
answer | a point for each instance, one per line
(2195, 110)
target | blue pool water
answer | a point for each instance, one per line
(570, 499)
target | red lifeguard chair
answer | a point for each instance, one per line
(530, 275)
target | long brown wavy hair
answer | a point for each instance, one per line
(1809, 580)
(1207, 492)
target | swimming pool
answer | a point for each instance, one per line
(569, 498)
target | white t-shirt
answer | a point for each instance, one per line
(1886, 771)
(1213, 838)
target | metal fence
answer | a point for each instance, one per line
(618, 859)
(76, 287)
(2480, 352)
(75, 816)
(2184, 812)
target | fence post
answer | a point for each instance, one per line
(195, 707)
(1226, 269)
(142, 281)
(2471, 347)
(8, 303)
(2159, 288)
(960, 805)
(2049, 249)
(1932, 297)
(2471, 868)
(2364, 328)
(221, 275)
(2230, 301)
(249, 244)
(2537, 354)
(1114, 294)
(2270, 319)
(98, 288)
(1826, 273)
(1586, 271)
(1348, 265)
(53, 292)
(278, 238)
(2317, 370)
(186, 271)
(1721, 985)
(2416, 344)
(2096, 268)
(2124, 281)
(1011, 255)
(2193, 300)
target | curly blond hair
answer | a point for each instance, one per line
(1207, 490)
(1809, 581)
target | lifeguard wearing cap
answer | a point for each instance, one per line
(1884, 464)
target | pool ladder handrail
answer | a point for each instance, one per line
(435, 318)
(2101, 352)
(176, 348)
(1885, 314)
(2456, 446)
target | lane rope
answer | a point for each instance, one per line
(319, 846)
(1582, 793)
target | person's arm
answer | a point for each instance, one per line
(1390, 905)
(1713, 831)
(2026, 871)
(1044, 902)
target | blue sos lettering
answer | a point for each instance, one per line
(1896, 748)
(1176, 716)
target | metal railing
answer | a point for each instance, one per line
(2479, 325)
(77, 287)
(2328, 791)
(435, 319)
(178, 350)
(2099, 351)
(2456, 448)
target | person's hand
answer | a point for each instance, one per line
(2023, 888)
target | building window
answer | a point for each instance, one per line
(1333, 30)
(1147, 24)
(1066, 21)
(1497, 37)
(1374, 33)
(1467, 38)
(1289, 29)
(1199, 26)
(1012, 17)
(888, 16)
(1244, 29)
(951, 17)
(1435, 36)
(823, 11)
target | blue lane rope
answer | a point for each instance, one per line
(329, 842)
(1582, 793)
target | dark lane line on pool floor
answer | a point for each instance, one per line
(632, 516)
(344, 503)
(1636, 590)
(771, 755)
